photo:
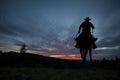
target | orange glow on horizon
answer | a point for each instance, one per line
(66, 56)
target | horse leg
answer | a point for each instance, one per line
(90, 50)
(85, 54)
(81, 52)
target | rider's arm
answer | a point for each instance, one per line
(92, 26)
(80, 28)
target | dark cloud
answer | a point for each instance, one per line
(110, 41)
(49, 26)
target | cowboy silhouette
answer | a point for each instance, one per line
(86, 27)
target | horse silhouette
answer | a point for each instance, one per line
(85, 43)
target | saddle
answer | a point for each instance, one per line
(84, 39)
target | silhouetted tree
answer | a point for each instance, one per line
(23, 49)
(104, 59)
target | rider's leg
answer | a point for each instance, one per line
(93, 39)
(94, 45)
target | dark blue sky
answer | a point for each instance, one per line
(49, 26)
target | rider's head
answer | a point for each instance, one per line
(87, 19)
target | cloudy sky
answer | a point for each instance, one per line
(48, 27)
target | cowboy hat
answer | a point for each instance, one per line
(87, 18)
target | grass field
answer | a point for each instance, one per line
(15, 66)
(38, 73)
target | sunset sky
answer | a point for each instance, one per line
(48, 27)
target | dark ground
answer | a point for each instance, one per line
(14, 66)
